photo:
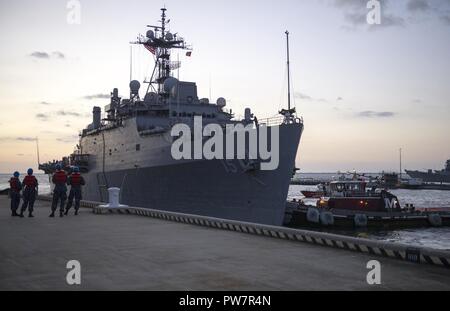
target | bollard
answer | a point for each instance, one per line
(113, 196)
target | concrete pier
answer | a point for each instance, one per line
(128, 252)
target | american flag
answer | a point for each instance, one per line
(152, 49)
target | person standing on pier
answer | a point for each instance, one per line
(15, 186)
(30, 185)
(75, 180)
(60, 192)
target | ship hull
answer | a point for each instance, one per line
(216, 188)
(430, 177)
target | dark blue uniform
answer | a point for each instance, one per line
(60, 191)
(30, 185)
(75, 181)
(15, 186)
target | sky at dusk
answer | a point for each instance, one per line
(363, 90)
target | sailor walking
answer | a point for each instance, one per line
(60, 192)
(30, 185)
(75, 180)
(15, 187)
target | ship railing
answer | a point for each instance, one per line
(278, 120)
(274, 121)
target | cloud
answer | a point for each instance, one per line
(348, 3)
(434, 9)
(68, 113)
(45, 103)
(41, 55)
(375, 114)
(20, 138)
(355, 15)
(45, 55)
(417, 101)
(446, 19)
(339, 99)
(390, 20)
(58, 55)
(68, 139)
(302, 96)
(42, 117)
(417, 5)
(26, 138)
(97, 96)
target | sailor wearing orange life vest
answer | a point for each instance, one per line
(75, 181)
(15, 187)
(30, 185)
(60, 192)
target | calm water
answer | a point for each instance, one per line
(438, 238)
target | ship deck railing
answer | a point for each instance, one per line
(278, 120)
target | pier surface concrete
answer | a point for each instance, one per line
(122, 252)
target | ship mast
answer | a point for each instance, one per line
(288, 70)
(289, 114)
(160, 42)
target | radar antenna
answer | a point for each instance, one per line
(160, 42)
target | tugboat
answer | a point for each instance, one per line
(348, 204)
(352, 195)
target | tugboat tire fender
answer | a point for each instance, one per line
(313, 215)
(327, 218)
(360, 220)
(435, 220)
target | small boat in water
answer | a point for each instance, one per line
(348, 204)
(315, 194)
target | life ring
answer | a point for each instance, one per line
(435, 220)
(327, 218)
(313, 215)
(360, 220)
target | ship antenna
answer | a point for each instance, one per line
(288, 70)
(131, 63)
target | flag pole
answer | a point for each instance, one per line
(288, 71)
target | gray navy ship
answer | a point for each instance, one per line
(130, 148)
(442, 176)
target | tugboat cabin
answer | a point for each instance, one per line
(352, 195)
(347, 189)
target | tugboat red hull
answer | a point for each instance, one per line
(363, 204)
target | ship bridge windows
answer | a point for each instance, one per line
(193, 114)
